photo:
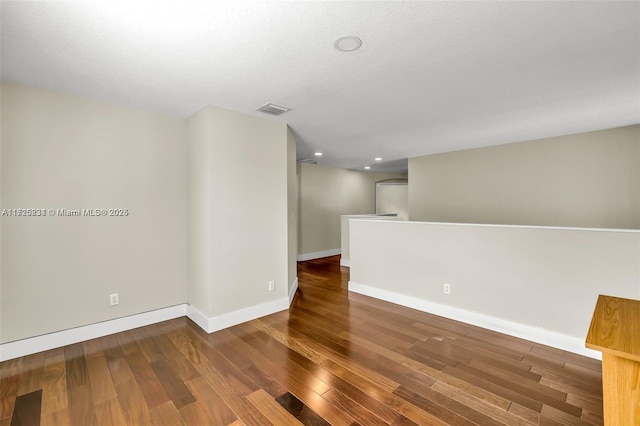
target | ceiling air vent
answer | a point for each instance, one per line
(273, 109)
(308, 161)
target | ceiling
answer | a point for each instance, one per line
(430, 76)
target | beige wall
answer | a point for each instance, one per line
(326, 193)
(345, 247)
(392, 198)
(583, 180)
(237, 209)
(66, 152)
(547, 278)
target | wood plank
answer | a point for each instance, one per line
(102, 386)
(8, 394)
(92, 348)
(165, 415)
(621, 389)
(182, 367)
(120, 371)
(146, 344)
(445, 408)
(194, 415)
(301, 411)
(480, 405)
(231, 396)
(273, 411)
(184, 344)
(389, 398)
(126, 342)
(175, 387)
(30, 379)
(352, 408)
(462, 385)
(285, 376)
(525, 413)
(56, 418)
(531, 390)
(54, 385)
(27, 409)
(109, 413)
(111, 347)
(615, 327)
(153, 391)
(211, 401)
(390, 354)
(12, 367)
(82, 411)
(492, 387)
(133, 403)
(561, 416)
(75, 367)
(266, 382)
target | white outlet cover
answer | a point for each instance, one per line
(114, 299)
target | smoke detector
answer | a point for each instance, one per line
(347, 43)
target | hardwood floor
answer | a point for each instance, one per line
(333, 358)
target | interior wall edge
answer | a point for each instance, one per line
(292, 292)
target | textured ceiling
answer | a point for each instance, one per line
(430, 76)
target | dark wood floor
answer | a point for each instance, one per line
(335, 357)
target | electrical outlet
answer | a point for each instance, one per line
(272, 285)
(447, 288)
(114, 299)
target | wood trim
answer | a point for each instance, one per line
(615, 327)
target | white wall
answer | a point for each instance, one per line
(65, 152)
(586, 180)
(326, 193)
(345, 247)
(545, 279)
(238, 213)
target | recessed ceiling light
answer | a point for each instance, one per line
(347, 43)
(378, 158)
(367, 167)
(318, 154)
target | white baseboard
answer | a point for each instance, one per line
(198, 317)
(211, 324)
(318, 254)
(45, 342)
(345, 262)
(527, 332)
(292, 292)
(58, 339)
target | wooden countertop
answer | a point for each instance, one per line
(615, 327)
